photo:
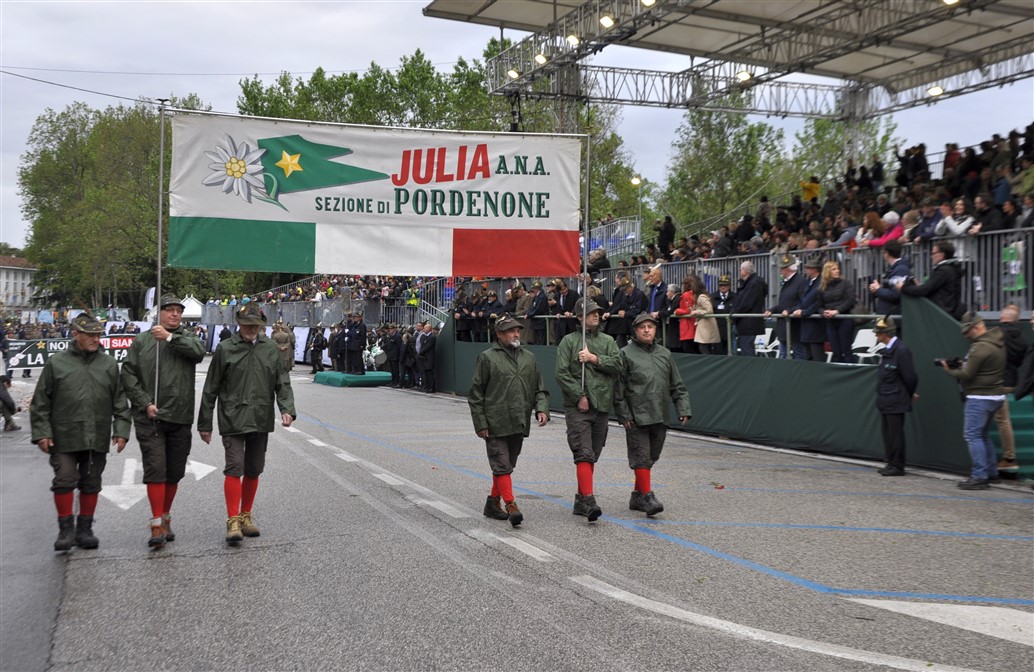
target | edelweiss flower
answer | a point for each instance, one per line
(236, 168)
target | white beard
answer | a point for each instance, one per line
(515, 343)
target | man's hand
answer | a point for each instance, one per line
(683, 419)
(768, 313)
(152, 411)
(286, 419)
(586, 357)
(119, 443)
(206, 436)
(483, 433)
(542, 418)
(627, 424)
(159, 332)
(873, 286)
(45, 444)
(583, 404)
(797, 313)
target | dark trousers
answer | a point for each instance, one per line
(841, 337)
(82, 469)
(428, 381)
(165, 447)
(816, 351)
(316, 357)
(893, 427)
(354, 362)
(393, 366)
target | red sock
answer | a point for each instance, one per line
(170, 494)
(248, 491)
(232, 491)
(87, 503)
(642, 480)
(584, 473)
(495, 489)
(156, 496)
(505, 486)
(64, 501)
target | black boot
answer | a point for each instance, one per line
(84, 533)
(579, 505)
(493, 510)
(635, 502)
(65, 533)
(592, 509)
(650, 504)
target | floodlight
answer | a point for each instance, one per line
(647, 3)
(636, 181)
(951, 2)
(607, 21)
(744, 76)
(540, 58)
(573, 40)
(512, 72)
(935, 90)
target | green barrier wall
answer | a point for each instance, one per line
(803, 405)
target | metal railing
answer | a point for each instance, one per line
(620, 237)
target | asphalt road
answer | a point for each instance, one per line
(374, 555)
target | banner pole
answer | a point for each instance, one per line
(585, 237)
(158, 280)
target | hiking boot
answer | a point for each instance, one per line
(158, 538)
(891, 471)
(635, 502)
(514, 514)
(650, 504)
(65, 533)
(973, 484)
(84, 537)
(11, 427)
(579, 505)
(1002, 464)
(167, 527)
(248, 528)
(592, 510)
(493, 510)
(233, 530)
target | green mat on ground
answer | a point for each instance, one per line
(336, 379)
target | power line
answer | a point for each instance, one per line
(77, 88)
(201, 74)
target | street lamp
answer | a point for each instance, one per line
(637, 182)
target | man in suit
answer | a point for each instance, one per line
(813, 331)
(537, 311)
(565, 322)
(632, 302)
(425, 358)
(749, 299)
(723, 300)
(791, 293)
(393, 350)
(355, 344)
(317, 344)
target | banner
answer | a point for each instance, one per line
(33, 354)
(279, 196)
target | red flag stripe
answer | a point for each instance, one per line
(514, 253)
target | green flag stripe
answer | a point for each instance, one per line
(317, 171)
(242, 244)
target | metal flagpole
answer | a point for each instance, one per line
(585, 237)
(161, 207)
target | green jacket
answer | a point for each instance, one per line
(245, 378)
(983, 373)
(599, 377)
(79, 402)
(505, 389)
(648, 383)
(179, 357)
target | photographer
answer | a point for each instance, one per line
(981, 376)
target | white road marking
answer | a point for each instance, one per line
(126, 494)
(764, 636)
(292, 429)
(1001, 622)
(317, 442)
(199, 469)
(388, 479)
(346, 457)
(441, 506)
(526, 548)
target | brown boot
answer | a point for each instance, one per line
(167, 526)
(157, 539)
(248, 527)
(233, 530)
(514, 514)
(493, 510)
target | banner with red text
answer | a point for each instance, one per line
(264, 195)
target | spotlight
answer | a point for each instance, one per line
(744, 76)
(513, 73)
(573, 40)
(540, 59)
(951, 2)
(636, 181)
(647, 3)
(935, 90)
(607, 21)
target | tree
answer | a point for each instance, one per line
(822, 147)
(721, 161)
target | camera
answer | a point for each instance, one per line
(952, 362)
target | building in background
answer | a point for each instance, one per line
(16, 284)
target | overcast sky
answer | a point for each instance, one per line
(157, 49)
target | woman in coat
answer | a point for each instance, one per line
(837, 298)
(707, 338)
(687, 325)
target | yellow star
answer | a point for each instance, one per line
(41, 345)
(289, 164)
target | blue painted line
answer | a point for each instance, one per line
(962, 498)
(720, 463)
(638, 527)
(844, 528)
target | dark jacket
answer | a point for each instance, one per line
(723, 306)
(245, 378)
(539, 307)
(790, 297)
(393, 346)
(425, 354)
(943, 287)
(896, 380)
(599, 377)
(888, 300)
(79, 402)
(837, 296)
(1015, 349)
(506, 388)
(179, 357)
(750, 299)
(812, 330)
(647, 385)
(983, 371)
(356, 335)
